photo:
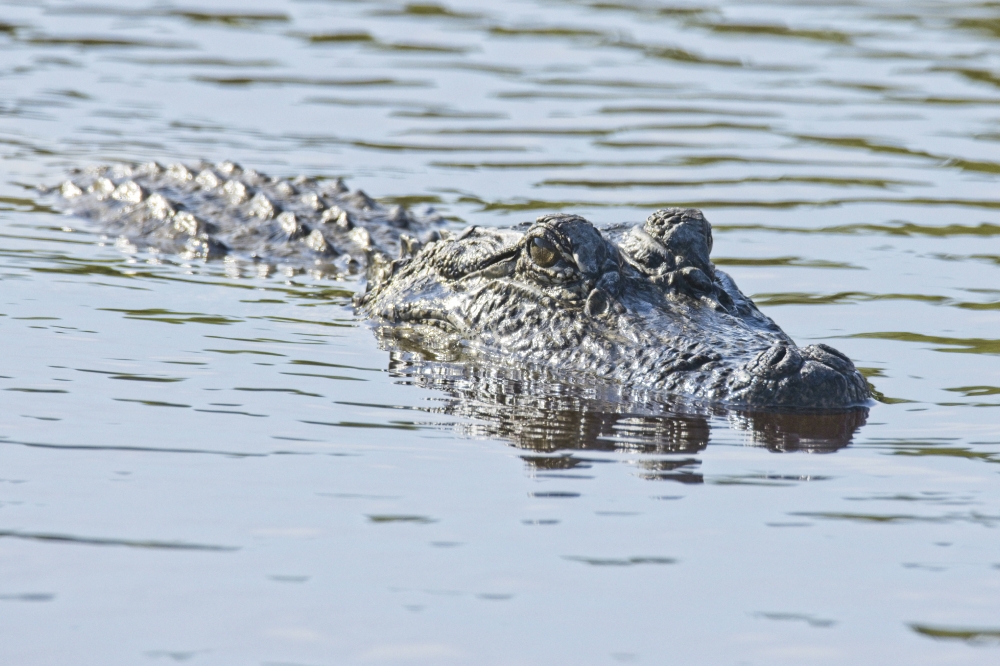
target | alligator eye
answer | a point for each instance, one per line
(543, 252)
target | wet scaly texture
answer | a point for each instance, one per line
(638, 305)
(213, 211)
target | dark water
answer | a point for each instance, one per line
(203, 466)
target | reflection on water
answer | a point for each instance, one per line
(533, 410)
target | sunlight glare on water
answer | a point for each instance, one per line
(206, 466)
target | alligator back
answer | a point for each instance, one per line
(221, 210)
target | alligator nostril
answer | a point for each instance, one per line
(778, 356)
(830, 357)
(597, 303)
(779, 360)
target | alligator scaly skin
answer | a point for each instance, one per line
(640, 306)
(214, 211)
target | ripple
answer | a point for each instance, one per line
(290, 391)
(980, 636)
(153, 403)
(983, 229)
(99, 42)
(434, 148)
(953, 345)
(899, 518)
(169, 317)
(130, 449)
(233, 19)
(801, 298)
(811, 620)
(977, 75)
(989, 26)
(620, 562)
(893, 229)
(307, 81)
(428, 10)
(339, 37)
(343, 378)
(776, 180)
(401, 518)
(675, 54)
(919, 450)
(366, 39)
(97, 541)
(195, 61)
(778, 30)
(35, 390)
(783, 261)
(395, 425)
(544, 32)
(28, 596)
(234, 412)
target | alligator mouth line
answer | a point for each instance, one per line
(415, 313)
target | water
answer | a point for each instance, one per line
(217, 469)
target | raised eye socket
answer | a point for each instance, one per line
(543, 252)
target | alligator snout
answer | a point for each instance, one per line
(816, 376)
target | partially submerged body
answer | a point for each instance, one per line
(222, 211)
(640, 306)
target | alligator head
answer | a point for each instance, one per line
(641, 306)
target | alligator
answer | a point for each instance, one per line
(638, 306)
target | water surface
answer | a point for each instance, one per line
(206, 466)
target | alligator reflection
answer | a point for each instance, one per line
(536, 411)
